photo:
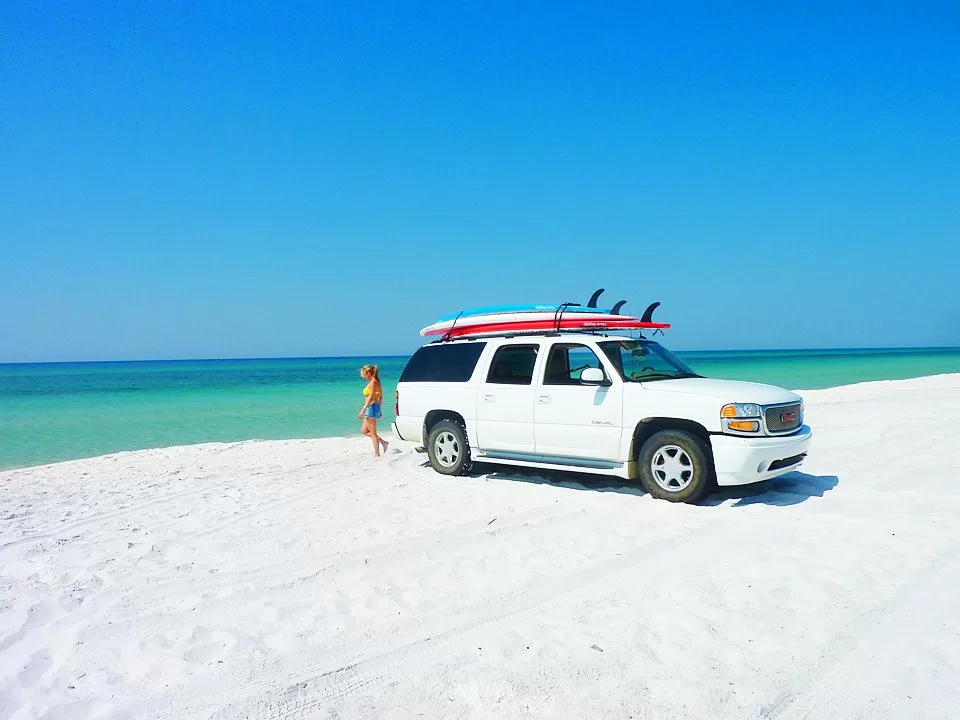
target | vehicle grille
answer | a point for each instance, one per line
(783, 418)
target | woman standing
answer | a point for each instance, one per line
(371, 410)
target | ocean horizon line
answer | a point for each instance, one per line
(392, 356)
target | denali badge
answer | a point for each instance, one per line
(788, 417)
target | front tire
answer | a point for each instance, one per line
(448, 448)
(675, 466)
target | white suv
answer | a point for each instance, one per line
(595, 403)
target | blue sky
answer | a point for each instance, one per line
(196, 179)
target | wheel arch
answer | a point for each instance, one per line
(435, 416)
(648, 426)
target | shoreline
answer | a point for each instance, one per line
(388, 431)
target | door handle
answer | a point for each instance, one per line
(545, 399)
(488, 397)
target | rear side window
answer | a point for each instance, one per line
(453, 362)
(513, 365)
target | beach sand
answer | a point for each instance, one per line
(302, 579)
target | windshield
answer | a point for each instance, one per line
(643, 360)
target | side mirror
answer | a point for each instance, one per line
(592, 376)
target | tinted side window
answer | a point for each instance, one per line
(566, 362)
(452, 362)
(513, 365)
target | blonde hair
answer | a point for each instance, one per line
(373, 370)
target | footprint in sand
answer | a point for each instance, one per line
(39, 615)
(206, 646)
(74, 595)
(206, 653)
(36, 667)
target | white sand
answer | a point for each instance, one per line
(305, 579)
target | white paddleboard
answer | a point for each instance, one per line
(438, 328)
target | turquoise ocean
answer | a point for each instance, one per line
(62, 411)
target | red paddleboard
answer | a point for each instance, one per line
(566, 323)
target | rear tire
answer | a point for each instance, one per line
(674, 465)
(448, 448)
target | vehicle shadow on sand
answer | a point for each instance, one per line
(558, 478)
(789, 489)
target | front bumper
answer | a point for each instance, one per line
(743, 460)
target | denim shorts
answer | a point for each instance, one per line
(373, 411)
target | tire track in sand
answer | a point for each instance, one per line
(309, 689)
(378, 551)
(50, 533)
(859, 663)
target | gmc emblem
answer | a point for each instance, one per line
(787, 417)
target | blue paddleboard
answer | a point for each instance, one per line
(496, 309)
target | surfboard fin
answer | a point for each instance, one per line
(615, 310)
(648, 313)
(594, 298)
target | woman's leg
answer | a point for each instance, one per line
(370, 430)
(377, 442)
(380, 440)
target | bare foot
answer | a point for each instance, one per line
(385, 445)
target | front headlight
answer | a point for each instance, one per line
(742, 418)
(740, 410)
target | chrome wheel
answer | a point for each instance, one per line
(672, 468)
(446, 449)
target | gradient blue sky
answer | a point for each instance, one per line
(196, 179)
